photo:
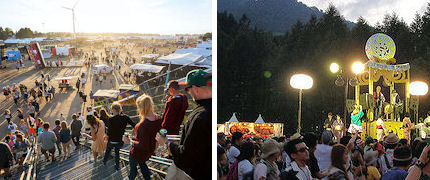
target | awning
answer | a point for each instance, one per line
(147, 67)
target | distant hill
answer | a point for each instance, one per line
(276, 16)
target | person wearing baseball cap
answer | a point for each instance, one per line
(191, 154)
(174, 109)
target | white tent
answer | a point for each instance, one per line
(202, 51)
(149, 56)
(147, 67)
(180, 59)
(259, 119)
(233, 119)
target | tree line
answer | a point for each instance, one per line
(254, 66)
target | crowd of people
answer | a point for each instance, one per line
(107, 131)
(311, 156)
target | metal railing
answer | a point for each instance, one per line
(30, 163)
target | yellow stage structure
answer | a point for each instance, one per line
(391, 74)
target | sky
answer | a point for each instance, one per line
(120, 16)
(373, 11)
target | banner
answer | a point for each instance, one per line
(13, 55)
(400, 67)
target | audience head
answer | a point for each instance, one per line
(326, 137)
(339, 157)
(310, 139)
(270, 150)
(297, 150)
(46, 126)
(57, 122)
(247, 151)
(236, 139)
(402, 157)
(145, 106)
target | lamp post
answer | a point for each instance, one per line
(357, 68)
(300, 81)
(418, 88)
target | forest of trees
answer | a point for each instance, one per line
(254, 66)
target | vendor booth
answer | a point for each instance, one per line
(105, 97)
(128, 90)
(258, 128)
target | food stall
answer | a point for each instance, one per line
(105, 97)
(258, 128)
(127, 90)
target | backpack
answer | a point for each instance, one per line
(232, 173)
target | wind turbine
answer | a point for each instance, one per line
(73, 16)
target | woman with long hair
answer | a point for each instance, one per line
(104, 116)
(97, 128)
(339, 157)
(65, 138)
(144, 144)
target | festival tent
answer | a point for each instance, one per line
(202, 51)
(46, 53)
(233, 119)
(149, 56)
(259, 119)
(180, 59)
(62, 51)
(206, 45)
(147, 68)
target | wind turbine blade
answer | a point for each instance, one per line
(75, 4)
(66, 8)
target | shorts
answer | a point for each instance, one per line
(52, 150)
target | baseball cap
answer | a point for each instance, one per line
(197, 78)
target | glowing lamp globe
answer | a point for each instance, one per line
(301, 81)
(357, 67)
(334, 68)
(380, 47)
(418, 88)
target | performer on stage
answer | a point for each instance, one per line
(407, 127)
(396, 104)
(380, 128)
(379, 101)
(356, 116)
(338, 128)
(422, 129)
(328, 122)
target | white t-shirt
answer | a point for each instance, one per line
(233, 153)
(244, 167)
(323, 155)
(12, 128)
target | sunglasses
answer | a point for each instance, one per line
(303, 149)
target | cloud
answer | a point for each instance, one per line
(371, 10)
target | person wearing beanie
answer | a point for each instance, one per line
(402, 161)
(323, 151)
(299, 153)
(267, 168)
